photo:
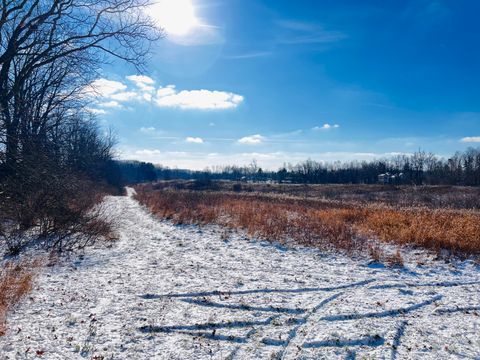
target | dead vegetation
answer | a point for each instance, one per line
(15, 283)
(432, 197)
(47, 210)
(323, 223)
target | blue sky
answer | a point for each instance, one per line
(283, 81)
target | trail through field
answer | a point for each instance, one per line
(184, 292)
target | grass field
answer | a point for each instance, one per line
(352, 218)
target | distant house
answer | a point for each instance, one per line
(388, 178)
(384, 178)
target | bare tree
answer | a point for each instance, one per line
(49, 49)
(50, 149)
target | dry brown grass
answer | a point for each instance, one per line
(265, 218)
(433, 197)
(457, 231)
(321, 223)
(15, 282)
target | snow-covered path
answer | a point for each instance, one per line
(181, 292)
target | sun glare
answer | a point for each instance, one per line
(177, 17)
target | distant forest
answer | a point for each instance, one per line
(463, 168)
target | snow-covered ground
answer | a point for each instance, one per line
(183, 292)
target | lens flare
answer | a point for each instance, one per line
(176, 17)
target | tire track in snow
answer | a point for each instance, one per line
(174, 277)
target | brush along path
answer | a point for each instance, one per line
(183, 292)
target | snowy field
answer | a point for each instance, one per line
(181, 292)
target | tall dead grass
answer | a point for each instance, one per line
(322, 224)
(15, 282)
(455, 230)
(432, 197)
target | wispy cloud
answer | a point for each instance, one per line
(112, 94)
(252, 140)
(299, 32)
(326, 127)
(147, 153)
(426, 12)
(249, 55)
(471, 139)
(203, 35)
(287, 135)
(148, 130)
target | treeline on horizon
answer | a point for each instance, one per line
(420, 168)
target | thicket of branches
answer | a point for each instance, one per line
(463, 168)
(53, 157)
(134, 172)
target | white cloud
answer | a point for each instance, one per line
(143, 82)
(197, 99)
(194, 140)
(107, 93)
(252, 140)
(166, 91)
(105, 88)
(111, 104)
(124, 96)
(96, 111)
(471, 139)
(326, 127)
(142, 79)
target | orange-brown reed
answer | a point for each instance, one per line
(320, 223)
(15, 282)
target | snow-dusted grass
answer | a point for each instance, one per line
(183, 292)
(324, 224)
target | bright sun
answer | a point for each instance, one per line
(177, 17)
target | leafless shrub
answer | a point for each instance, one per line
(375, 253)
(44, 203)
(395, 259)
